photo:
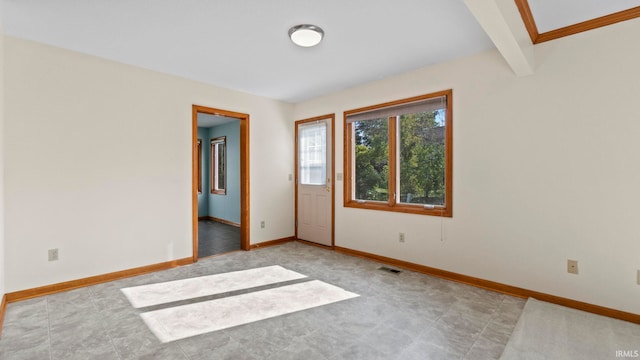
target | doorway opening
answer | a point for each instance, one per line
(211, 173)
(315, 182)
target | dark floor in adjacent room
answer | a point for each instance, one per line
(397, 316)
(217, 238)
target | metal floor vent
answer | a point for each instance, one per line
(389, 270)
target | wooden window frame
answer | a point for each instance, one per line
(392, 204)
(214, 166)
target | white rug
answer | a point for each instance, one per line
(549, 331)
(171, 291)
(193, 319)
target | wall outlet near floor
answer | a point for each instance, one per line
(53, 254)
(572, 266)
(401, 237)
(262, 224)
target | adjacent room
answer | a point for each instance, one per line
(218, 184)
(319, 180)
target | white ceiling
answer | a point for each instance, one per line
(243, 44)
(555, 14)
(208, 120)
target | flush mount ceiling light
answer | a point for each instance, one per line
(306, 35)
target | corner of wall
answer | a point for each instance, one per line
(2, 257)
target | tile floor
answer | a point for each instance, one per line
(217, 238)
(397, 316)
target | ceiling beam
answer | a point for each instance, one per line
(501, 20)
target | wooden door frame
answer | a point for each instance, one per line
(332, 119)
(245, 242)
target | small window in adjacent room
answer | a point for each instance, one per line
(199, 166)
(219, 165)
(398, 156)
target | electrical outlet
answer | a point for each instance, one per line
(53, 254)
(572, 266)
(262, 224)
(290, 177)
(401, 237)
(638, 277)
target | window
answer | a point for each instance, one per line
(219, 165)
(312, 139)
(398, 156)
(199, 166)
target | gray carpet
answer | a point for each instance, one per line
(549, 331)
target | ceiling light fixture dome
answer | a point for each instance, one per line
(306, 35)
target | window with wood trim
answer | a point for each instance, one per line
(398, 155)
(219, 165)
(199, 166)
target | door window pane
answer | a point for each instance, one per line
(312, 157)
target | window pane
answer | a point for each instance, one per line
(371, 149)
(219, 165)
(312, 156)
(221, 148)
(405, 144)
(421, 156)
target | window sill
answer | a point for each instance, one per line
(401, 208)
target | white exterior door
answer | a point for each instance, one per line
(314, 190)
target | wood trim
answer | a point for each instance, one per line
(398, 102)
(589, 25)
(222, 221)
(390, 204)
(199, 166)
(527, 19)
(333, 180)
(331, 117)
(194, 182)
(536, 37)
(3, 310)
(273, 242)
(347, 151)
(495, 286)
(93, 280)
(245, 239)
(392, 135)
(448, 181)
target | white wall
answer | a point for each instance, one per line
(545, 170)
(84, 173)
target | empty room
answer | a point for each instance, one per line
(328, 180)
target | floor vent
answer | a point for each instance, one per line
(389, 270)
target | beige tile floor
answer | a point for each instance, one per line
(397, 316)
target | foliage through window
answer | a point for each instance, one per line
(399, 155)
(219, 165)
